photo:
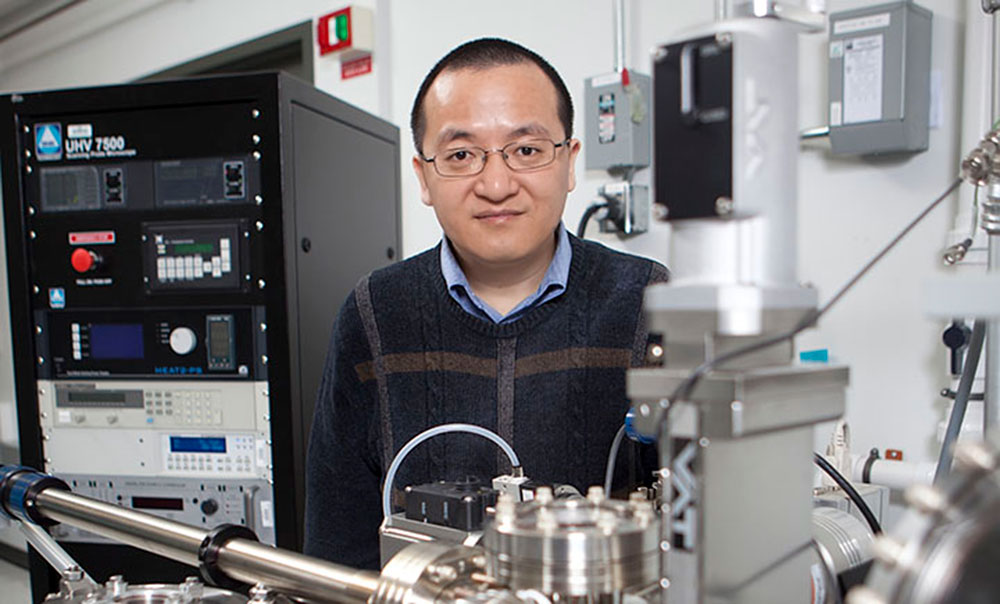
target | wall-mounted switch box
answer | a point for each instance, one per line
(617, 131)
(879, 76)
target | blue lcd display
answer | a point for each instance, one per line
(116, 341)
(197, 444)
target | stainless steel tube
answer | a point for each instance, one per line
(241, 559)
(619, 35)
(158, 535)
(296, 574)
(991, 408)
(995, 89)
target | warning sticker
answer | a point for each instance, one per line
(863, 79)
(48, 141)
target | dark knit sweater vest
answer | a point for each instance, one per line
(404, 357)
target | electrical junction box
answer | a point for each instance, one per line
(617, 131)
(879, 79)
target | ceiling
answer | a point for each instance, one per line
(18, 15)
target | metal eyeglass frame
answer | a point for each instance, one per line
(503, 154)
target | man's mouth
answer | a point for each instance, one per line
(498, 215)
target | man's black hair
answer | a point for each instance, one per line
(483, 54)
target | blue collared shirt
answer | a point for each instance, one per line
(552, 286)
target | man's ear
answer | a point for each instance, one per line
(418, 168)
(574, 150)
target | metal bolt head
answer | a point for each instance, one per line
(660, 212)
(543, 495)
(255, 113)
(975, 457)
(724, 39)
(887, 550)
(442, 573)
(862, 594)
(73, 573)
(723, 206)
(595, 494)
(926, 499)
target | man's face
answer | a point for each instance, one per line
(497, 216)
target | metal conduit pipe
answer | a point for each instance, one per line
(295, 574)
(167, 538)
(241, 559)
(991, 410)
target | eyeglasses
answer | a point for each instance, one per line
(519, 156)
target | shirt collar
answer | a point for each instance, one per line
(552, 285)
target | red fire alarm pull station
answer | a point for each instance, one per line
(348, 29)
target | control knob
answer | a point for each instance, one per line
(209, 507)
(183, 340)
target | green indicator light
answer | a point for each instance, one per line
(341, 27)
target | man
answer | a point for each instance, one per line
(510, 323)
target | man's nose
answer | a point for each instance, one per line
(496, 182)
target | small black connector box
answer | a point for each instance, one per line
(457, 504)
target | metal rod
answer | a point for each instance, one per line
(995, 81)
(167, 538)
(619, 6)
(721, 10)
(294, 573)
(961, 401)
(47, 547)
(241, 559)
(991, 407)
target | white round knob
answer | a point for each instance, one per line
(183, 340)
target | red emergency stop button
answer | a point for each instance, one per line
(83, 260)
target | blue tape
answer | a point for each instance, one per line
(821, 355)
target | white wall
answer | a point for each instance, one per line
(848, 207)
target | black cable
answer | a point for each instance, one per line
(684, 389)
(850, 490)
(587, 215)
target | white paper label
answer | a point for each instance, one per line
(863, 79)
(266, 514)
(79, 131)
(936, 117)
(836, 113)
(606, 79)
(861, 23)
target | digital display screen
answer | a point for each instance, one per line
(187, 182)
(157, 503)
(116, 341)
(197, 444)
(67, 188)
(193, 248)
(96, 396)
(218, 339)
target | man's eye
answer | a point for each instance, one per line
(458, 156)
(526, 151)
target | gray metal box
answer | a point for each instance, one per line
(880, 61)
(617, 122)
